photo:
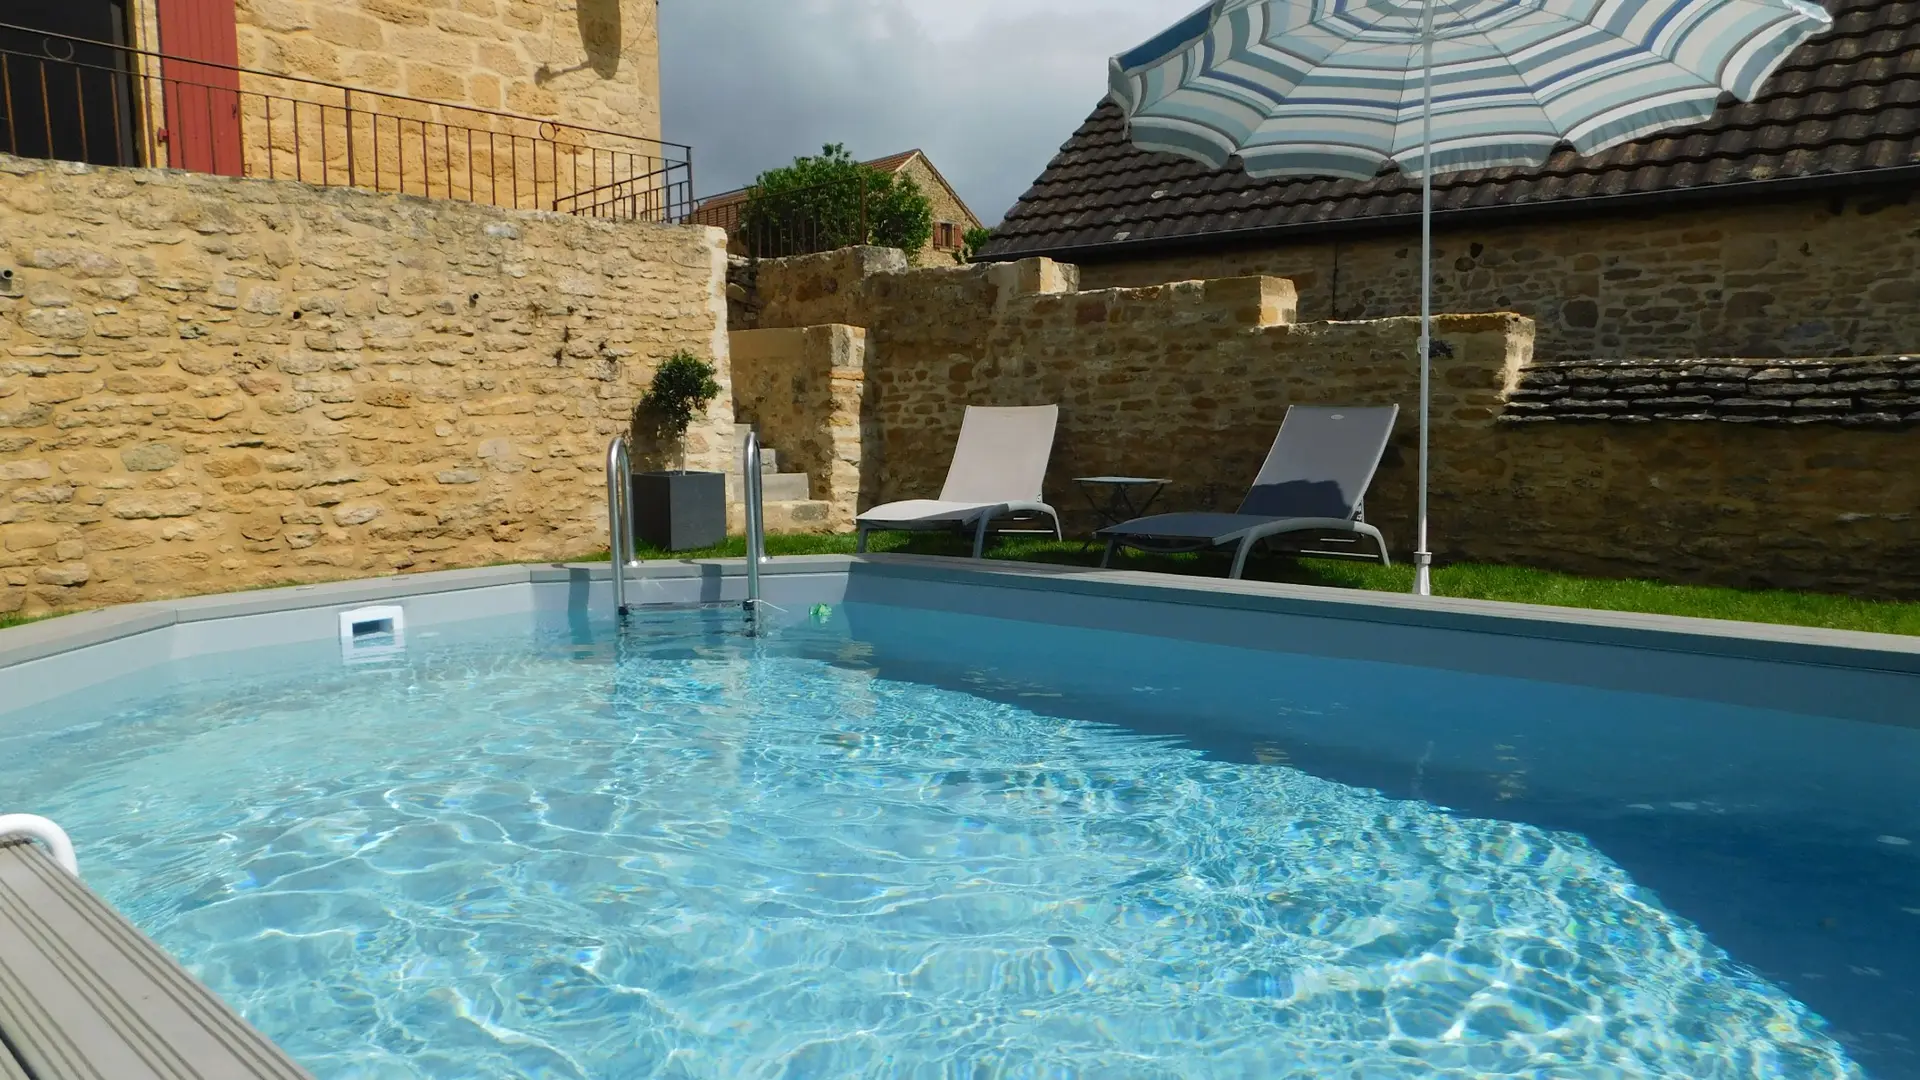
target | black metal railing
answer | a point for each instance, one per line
(75, 99)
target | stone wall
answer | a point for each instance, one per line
(208, 384)
(592, 63)
(1817, 277)
(1188, 380)
(1191, 379)
(804, 391)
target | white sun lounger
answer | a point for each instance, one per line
(997, 471)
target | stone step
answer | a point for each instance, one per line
(784, 487)
(774, 487)
(798, 516)
(769, 460)
(786, 516)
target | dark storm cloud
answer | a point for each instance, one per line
(989, 90)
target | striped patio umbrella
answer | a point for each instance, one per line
(1342, 88)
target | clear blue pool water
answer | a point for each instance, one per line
(898, 844)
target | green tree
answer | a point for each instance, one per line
(832, 201)
(975, 239)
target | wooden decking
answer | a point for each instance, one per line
(84, 995)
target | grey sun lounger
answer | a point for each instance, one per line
(1313, 481)
(997, 470)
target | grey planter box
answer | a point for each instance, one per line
(680, 511)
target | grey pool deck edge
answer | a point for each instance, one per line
(49, 637)
(84, 995)
(1666, 633)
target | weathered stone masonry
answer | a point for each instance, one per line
(207, 383)
(1819, 276)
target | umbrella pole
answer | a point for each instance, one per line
(1422, 555)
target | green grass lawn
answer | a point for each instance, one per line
(1514, 584)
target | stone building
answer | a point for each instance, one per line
(1785, 227)
(952, 218)
(547, 104)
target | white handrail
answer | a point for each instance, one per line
(619, 518)
(38, 828)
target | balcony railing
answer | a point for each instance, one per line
(73, 99)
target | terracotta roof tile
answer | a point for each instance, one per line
(1847, 102)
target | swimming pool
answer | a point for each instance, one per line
(896, 841)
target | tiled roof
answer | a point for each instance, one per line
(892, 163)
(1845, 105)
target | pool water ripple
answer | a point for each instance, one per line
(719, 860)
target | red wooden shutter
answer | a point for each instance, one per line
(202, 102)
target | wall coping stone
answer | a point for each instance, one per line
(1862, 391)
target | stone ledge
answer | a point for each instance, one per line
(1870, 391)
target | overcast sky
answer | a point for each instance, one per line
(988, 88)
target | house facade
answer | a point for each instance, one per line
(1785, 227)
(552, 104)
(951, 215)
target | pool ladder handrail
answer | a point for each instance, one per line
(35, 827)
(620, 519)
(751, 491)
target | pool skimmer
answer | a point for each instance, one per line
(372, 633)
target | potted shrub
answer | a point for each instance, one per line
(678, 510)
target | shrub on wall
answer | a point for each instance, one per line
(832, 201)
(975, 239)
(682, 386)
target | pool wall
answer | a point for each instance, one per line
(1861, 676)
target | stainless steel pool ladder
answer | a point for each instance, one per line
(756, 522)
(620, 518)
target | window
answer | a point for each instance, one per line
(944, 235)
(70, 99)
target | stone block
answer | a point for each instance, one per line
(64, 574)
(30, 535)
(25, 470)
(172, 504)
(799, 516)
(784, 487)
(149, 457)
